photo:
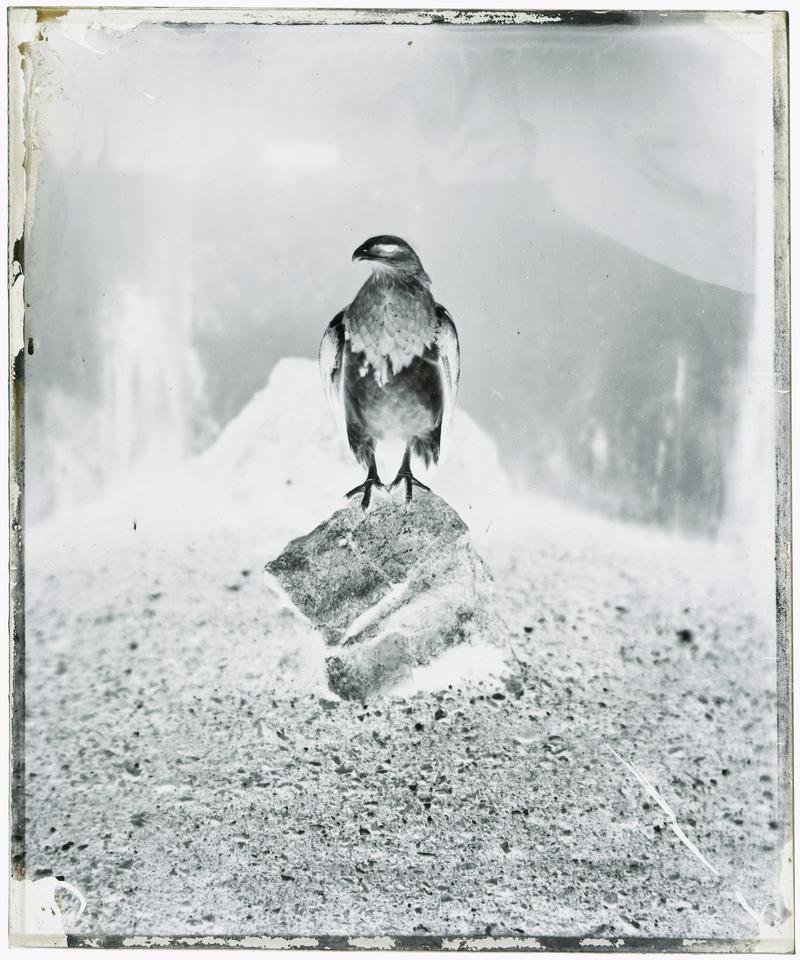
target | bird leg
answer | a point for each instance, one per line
(373, 480)
(404, 473)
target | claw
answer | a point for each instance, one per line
(364, 488)
(410, 481)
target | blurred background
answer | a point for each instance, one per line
(588, 200)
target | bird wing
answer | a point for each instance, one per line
(331, 362)
(449, 367)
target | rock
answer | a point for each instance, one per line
(390, 589)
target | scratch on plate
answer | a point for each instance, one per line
(655, 795)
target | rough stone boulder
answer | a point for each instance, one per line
(390, 589)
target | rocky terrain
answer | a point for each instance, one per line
(190, 771)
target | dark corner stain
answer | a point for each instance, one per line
(18, 369)
(591, 18)
(30, 346)
(578, 18)
(43, 14)
(184, 26)
(783, 14)
(18, 254)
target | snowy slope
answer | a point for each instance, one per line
(283, 453)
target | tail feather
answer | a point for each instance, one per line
(427, 448)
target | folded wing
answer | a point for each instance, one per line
(449, 368)
(331, 354)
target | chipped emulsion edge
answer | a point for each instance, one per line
(491, 943)
(122, 19)
(783, 461)
(254, 943)
(30, 918)
(372, 943)
(35, 916)
(22, 29)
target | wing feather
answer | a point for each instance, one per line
(449, 367)
(331, 364)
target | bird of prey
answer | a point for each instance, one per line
(390, 364)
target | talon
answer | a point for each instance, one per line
(365, 488)
(410, 481)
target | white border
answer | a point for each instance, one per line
(554, 5)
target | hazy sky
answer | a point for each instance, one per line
(580, 195)
(647, 133)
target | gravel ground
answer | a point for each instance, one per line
(189, 772)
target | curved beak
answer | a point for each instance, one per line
(361, 254)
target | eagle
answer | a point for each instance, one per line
(390, 364)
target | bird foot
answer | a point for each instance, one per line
(365, 488)
(410, 481)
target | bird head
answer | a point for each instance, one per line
(394, 255)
